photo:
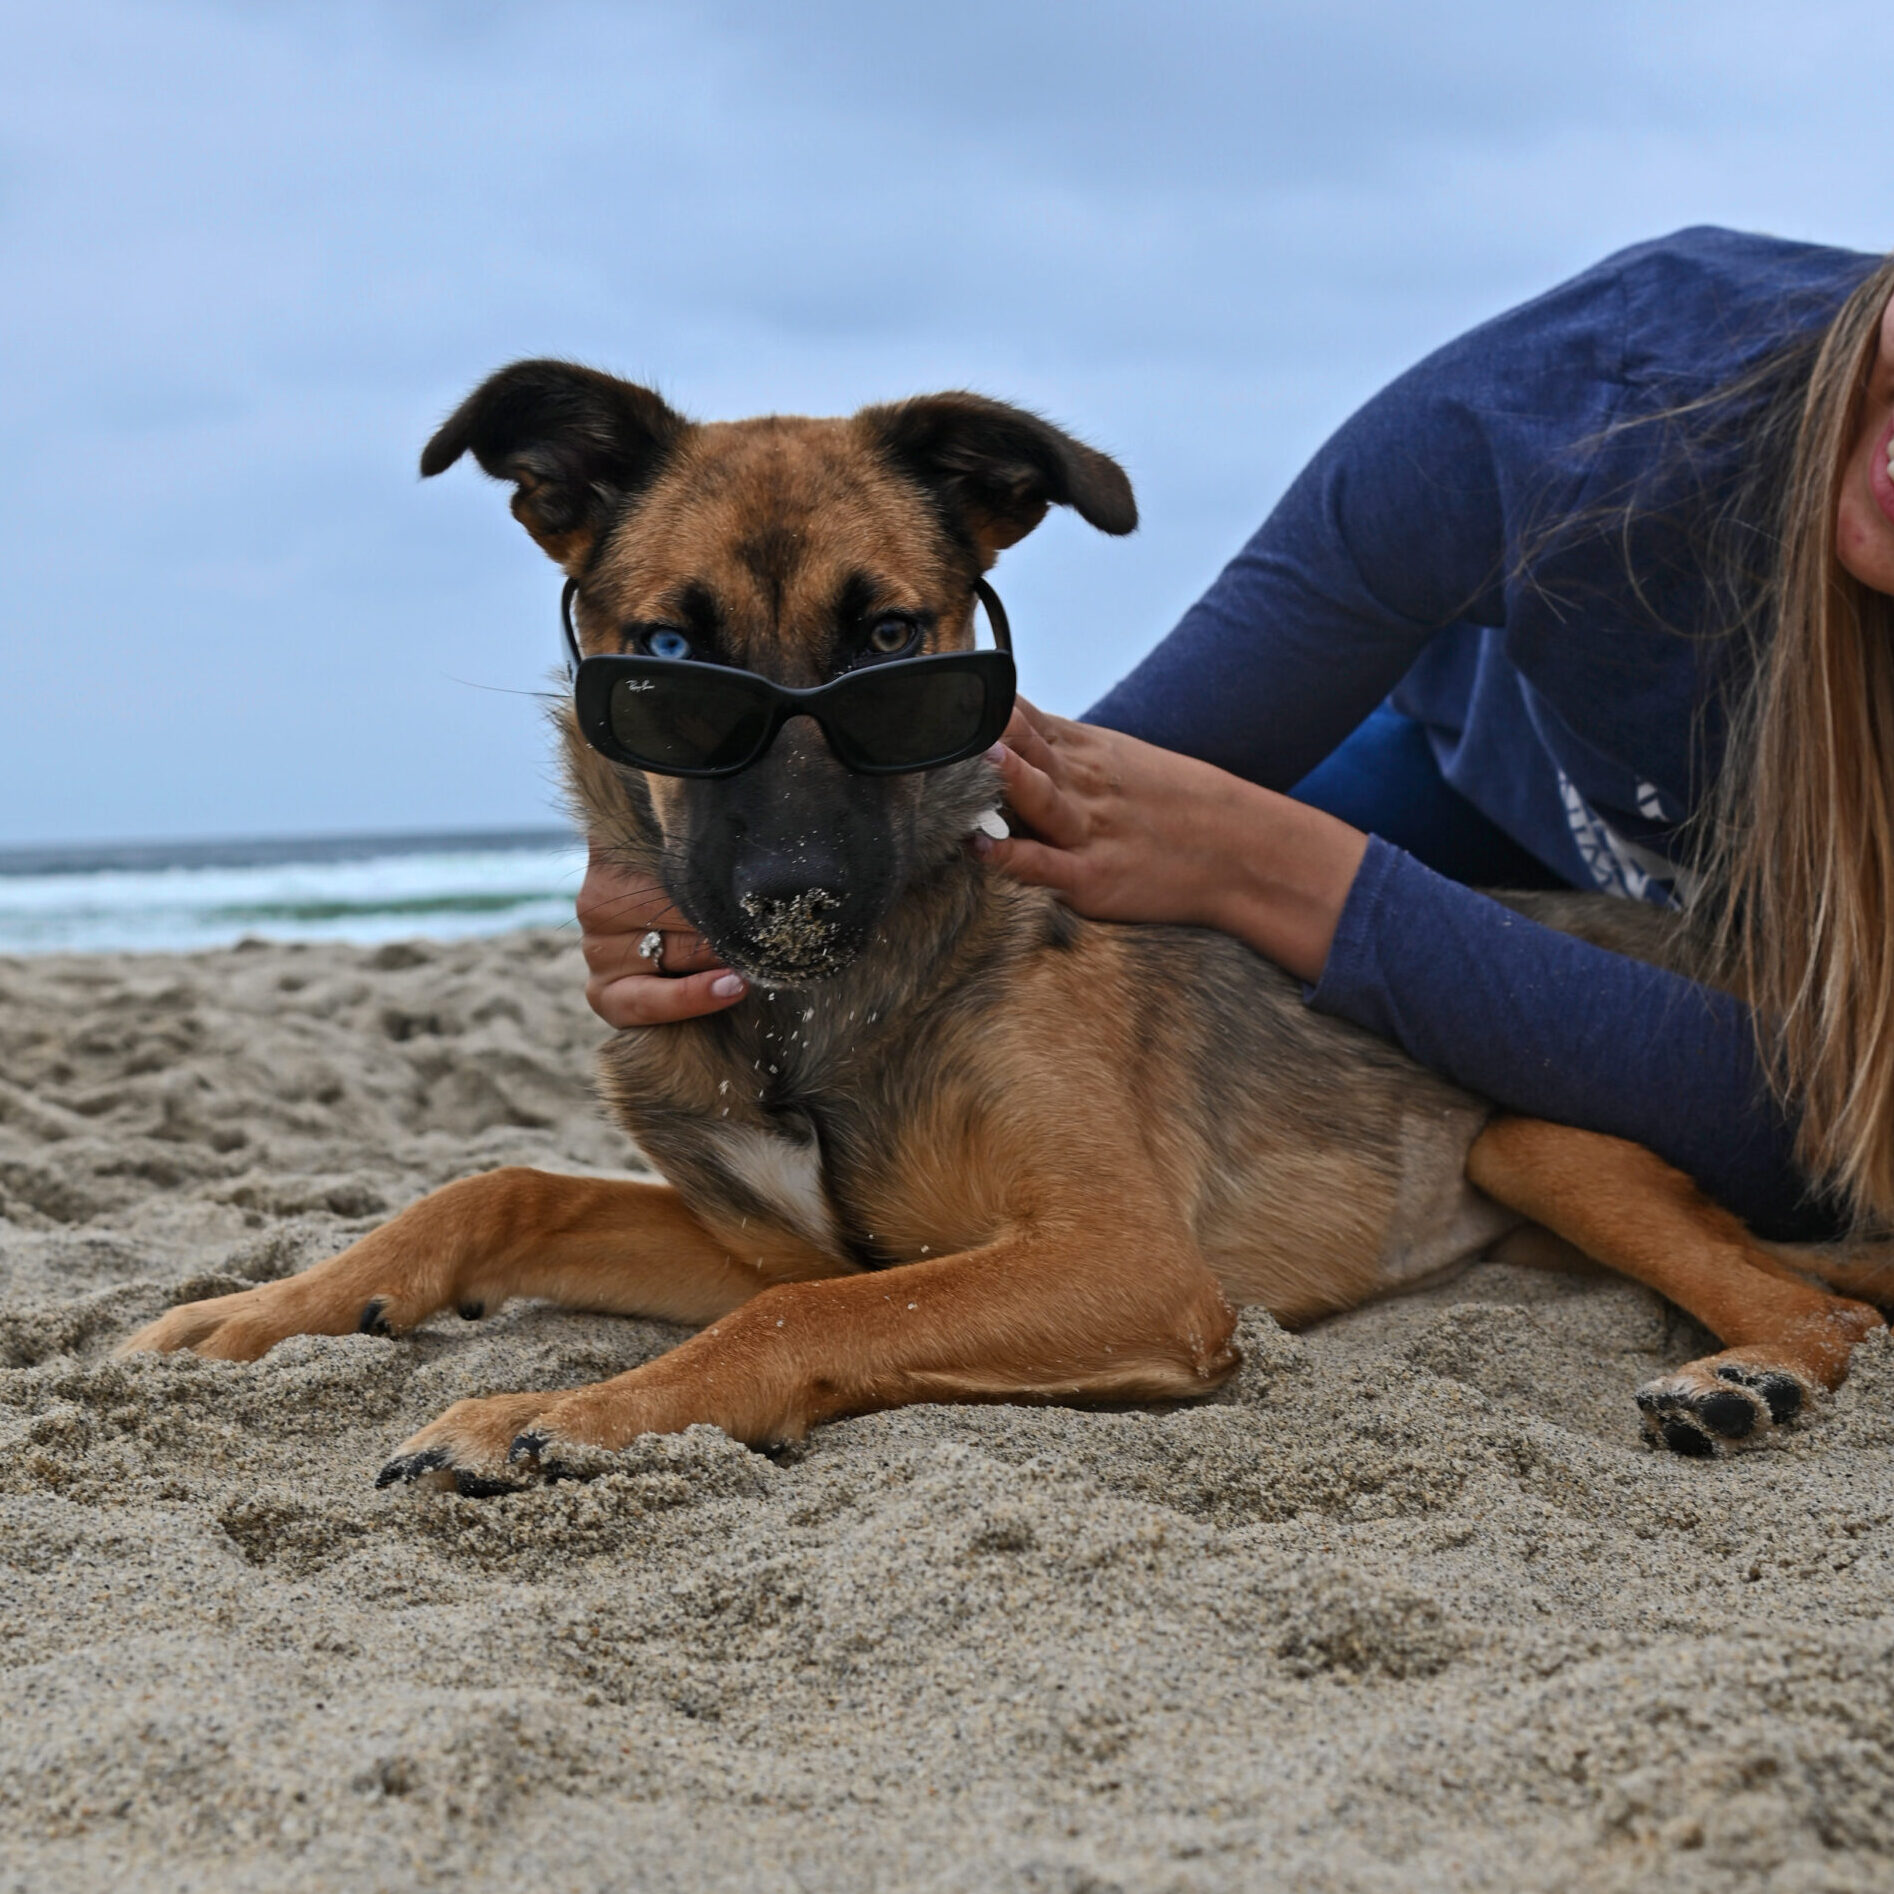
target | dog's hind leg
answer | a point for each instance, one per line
(1628, 1209)
(593, 1243)
(1026, 1317)
(1862, 1270)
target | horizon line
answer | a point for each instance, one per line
(256, 851)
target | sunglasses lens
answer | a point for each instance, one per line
(703, 720)
(908, 716)
(679, 722)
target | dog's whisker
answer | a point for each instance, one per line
(553, 698)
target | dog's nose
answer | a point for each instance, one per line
(797, 928)
(782, 876)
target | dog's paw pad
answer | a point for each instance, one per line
(481, 1485)
(1684, 1436)
(1728, 1414)
(1706, 1407)
(1780, 1390)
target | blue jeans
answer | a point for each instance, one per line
(1384, 779)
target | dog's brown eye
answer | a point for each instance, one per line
(889, 635)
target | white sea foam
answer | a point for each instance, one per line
(445, 892)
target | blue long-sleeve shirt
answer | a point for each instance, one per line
(1428, 553)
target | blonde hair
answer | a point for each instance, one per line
(1798, 833)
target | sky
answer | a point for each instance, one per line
(252, 251)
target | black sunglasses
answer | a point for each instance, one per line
(679, 717)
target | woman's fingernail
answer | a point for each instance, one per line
(997, 754)
(727, 986)
(982, 844)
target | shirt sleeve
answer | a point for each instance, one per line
(1555, 1027)
(1395, 530)
(1416, 514)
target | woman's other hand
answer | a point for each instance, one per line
(617, 910)
(1124, 831)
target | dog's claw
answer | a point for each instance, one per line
(410, 1466)
(527, 1446)
(371, 1322)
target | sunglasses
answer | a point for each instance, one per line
(679, 717)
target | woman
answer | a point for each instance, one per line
(1624, 557)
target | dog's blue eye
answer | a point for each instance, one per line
(667, 644)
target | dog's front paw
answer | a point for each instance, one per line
(497, 1445)
(1723, 1401)
(240, 1327)
(469, 1449)
(334, 1298)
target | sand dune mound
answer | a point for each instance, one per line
(1407, 1606)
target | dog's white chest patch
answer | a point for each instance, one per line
(786, 1175)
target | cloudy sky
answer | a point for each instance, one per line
(252, 250)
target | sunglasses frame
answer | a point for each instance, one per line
(595, 679)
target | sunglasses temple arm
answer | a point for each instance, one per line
(995, 615)
(566, 597)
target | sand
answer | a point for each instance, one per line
(1408, 1606)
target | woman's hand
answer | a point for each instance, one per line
(1125, 831)
(616, 911)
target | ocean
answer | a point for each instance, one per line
(175, 896)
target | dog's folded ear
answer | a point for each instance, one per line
(575, 442)
(997, 468)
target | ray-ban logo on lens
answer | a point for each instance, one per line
(636, 684)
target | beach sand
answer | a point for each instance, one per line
(1407, 1606)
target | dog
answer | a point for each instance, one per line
(958, 1143)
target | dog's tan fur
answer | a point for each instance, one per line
(1004, 1152)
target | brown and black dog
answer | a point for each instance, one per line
(958, 1143)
